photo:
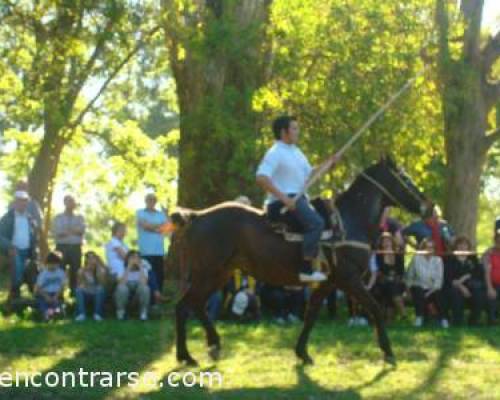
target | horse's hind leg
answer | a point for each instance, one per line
(181, 316)
(358, 291)
(195, 300)
(313, 307)
(213, 340)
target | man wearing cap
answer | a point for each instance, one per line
(18, 229)
(68, 229)
(33, 207)
(150, 238)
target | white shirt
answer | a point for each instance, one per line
(115, 262)
(21, 238)
(287, 168)
(426, 273)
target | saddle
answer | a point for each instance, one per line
(285, 222)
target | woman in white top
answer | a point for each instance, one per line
(425, 279)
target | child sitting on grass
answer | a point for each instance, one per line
(49, 287)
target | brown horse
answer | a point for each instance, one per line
(211, 243)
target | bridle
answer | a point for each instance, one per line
(385, 191)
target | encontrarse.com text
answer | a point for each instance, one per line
(92, 379)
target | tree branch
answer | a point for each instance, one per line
(492, 94)
(95, 54)
(491, 137)
(491, 52)
(472, 11)
(442, 22)
(106, 83)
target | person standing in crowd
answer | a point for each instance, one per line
(133, 284)
(33, 208)
(91, 286)
(18, 239)
(425, 280)
(463, 281)
(491, 260)
(150, 238)
(116, 252)
(50, 285)
(68, 229)
(432, 227)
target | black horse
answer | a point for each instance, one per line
(211, 243)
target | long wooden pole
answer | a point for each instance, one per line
(327, 164)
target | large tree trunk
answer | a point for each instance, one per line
(216, 79)
(468, 97)
(463, 186)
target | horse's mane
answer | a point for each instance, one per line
(183, 215)
(346, 195)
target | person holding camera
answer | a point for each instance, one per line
(133, 284)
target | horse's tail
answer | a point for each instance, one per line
(179, 253)
(183, 216)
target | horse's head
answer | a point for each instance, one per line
(397, 187)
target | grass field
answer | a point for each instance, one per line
(257, 360)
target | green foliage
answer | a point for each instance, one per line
(217, 59)
(336, 65)
(58, 57)
(204, 90)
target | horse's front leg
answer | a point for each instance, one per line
(312, 310)
(370, 305)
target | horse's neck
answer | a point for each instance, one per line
(362, 206)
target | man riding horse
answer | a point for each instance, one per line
(283, 173)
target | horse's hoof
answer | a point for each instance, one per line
(306, 359)
(187, 360)
(214, 352)
(390, 360)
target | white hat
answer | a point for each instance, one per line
(240, 303)
(21, 194)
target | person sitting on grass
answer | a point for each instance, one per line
(49, 287)
(239, 300)
(133, 284)
(463, 281)
(91, 280)
(425, 280)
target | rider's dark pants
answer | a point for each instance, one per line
(312, 224)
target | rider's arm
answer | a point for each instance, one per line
(265, 183)
(332, 160)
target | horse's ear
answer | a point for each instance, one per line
(382, 159)
(390, 160)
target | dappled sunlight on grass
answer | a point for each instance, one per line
(258, 361)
